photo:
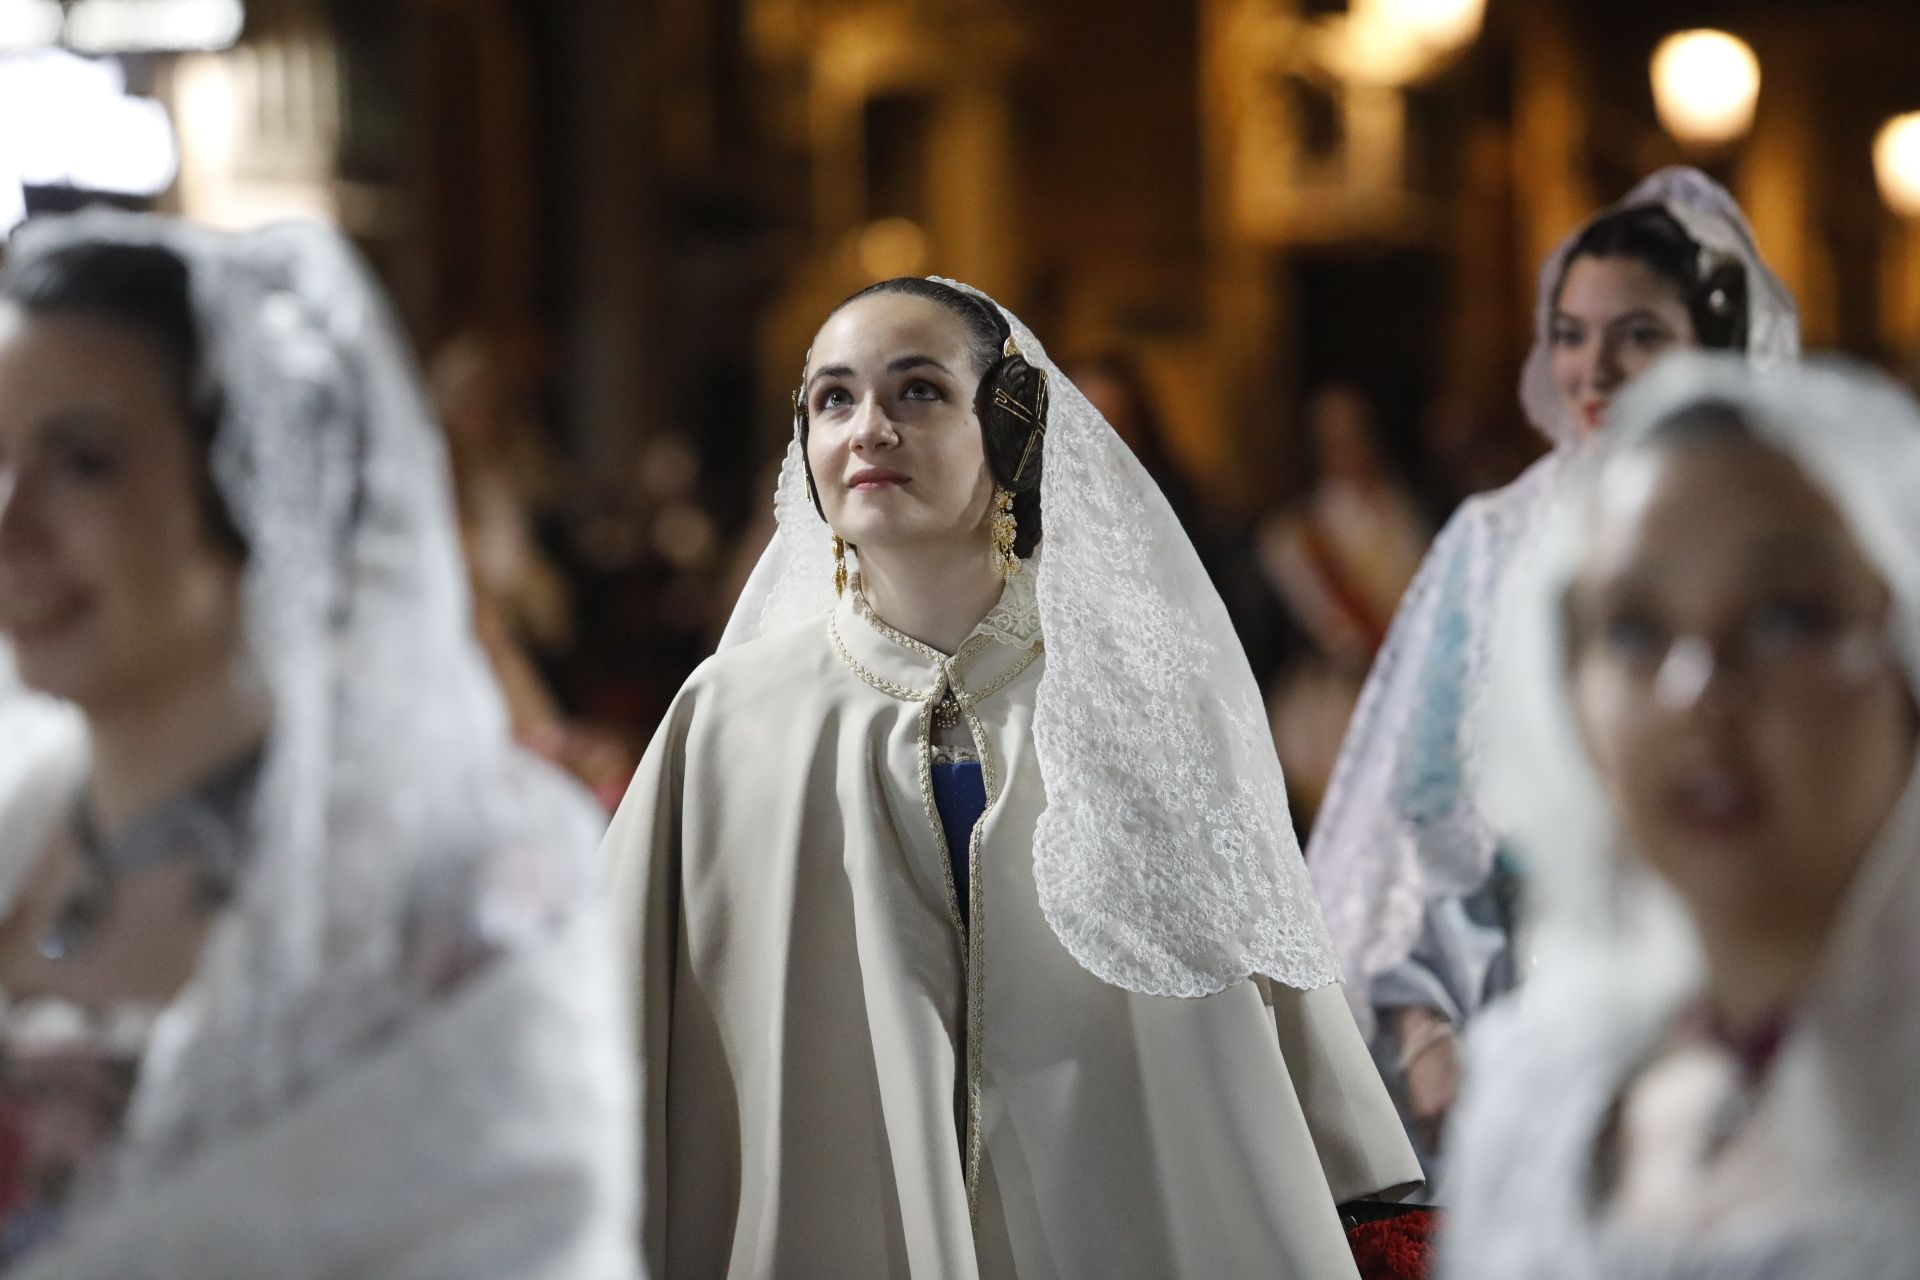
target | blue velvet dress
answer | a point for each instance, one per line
(960, 793)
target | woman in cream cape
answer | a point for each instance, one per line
(967, 933)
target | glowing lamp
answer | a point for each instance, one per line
(1896, 163)
(1705, 84)
(1442, 26)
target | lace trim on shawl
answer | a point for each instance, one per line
(1016, 618)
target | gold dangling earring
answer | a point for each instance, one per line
(839, 565)
(1005, 529)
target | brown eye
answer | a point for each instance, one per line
(1785, 626)
(84, 463)
(1634, 637)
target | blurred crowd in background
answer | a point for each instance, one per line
(1286, 246)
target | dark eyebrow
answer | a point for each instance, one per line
(1636, 317)
(1795, 552)
(905, 363)
(65, 426)
(900, 365)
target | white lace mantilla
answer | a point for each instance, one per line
(1016, 618)
(1165, 860)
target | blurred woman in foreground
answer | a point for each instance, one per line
(302, 968)
(1702, 733)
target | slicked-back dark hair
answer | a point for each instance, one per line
(1008, 387)
(1714, 289)
(147, 289)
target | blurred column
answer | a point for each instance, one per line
(606, 224)
(1778, 186)
(1551, 190)
(483, 188)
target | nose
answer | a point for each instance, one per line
(23, 518)
(1694, 680)
(872, 429)
(1604, 373)
(12, 509)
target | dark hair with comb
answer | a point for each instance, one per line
(1713, 287)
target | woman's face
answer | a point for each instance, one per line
(1735, 681)
(1614, 317)
(896, 450)
(113, 587)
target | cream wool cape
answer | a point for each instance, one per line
(833, 1066)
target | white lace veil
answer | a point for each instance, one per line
(389, 775)
(1400, 826)
(1165, 859)
(1706, 211)
(1612, 942)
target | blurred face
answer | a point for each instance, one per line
(112, 585)
(1343, 434)
(1734, 678)
(896, 450)
(1613, 319)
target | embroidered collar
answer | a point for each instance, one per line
(1002, 646)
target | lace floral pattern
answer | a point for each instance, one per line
(1165, 859)
(1016, 619)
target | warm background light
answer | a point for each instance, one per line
(1896, 163)
(1705, 84)
(892, 247)
(1394, 42)
(1443, 26)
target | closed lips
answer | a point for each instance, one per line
(875, 478)
(1714, 799)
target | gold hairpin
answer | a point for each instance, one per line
(1001, 400)
(1037, 416)
(804, 362)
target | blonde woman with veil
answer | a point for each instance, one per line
(967, 930)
